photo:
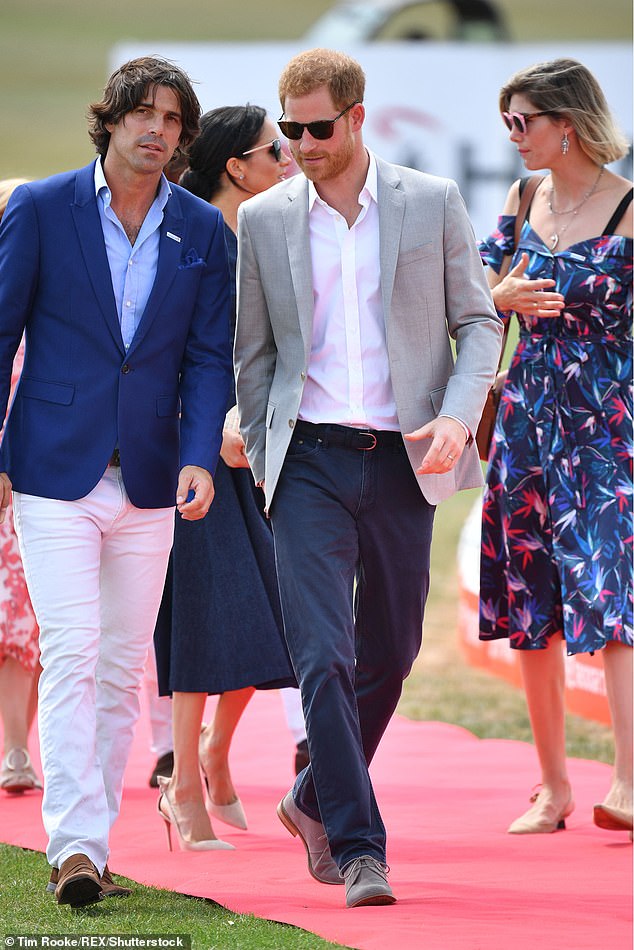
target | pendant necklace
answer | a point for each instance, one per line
(554, 238)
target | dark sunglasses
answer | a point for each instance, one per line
(519, 120)
(275, 148)
(322, 129)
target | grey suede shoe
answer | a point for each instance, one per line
(320, 861)
(366, 882)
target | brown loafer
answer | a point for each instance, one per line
(78, 882)
(109, 887)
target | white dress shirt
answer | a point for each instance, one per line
(348, 379)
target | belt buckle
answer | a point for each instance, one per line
(367, 448)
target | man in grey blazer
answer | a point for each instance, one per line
(353, 277)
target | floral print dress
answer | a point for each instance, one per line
(18, 628)
(556, 554)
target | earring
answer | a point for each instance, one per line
(565, 144)
(242, 176)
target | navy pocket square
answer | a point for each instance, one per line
(192, 259)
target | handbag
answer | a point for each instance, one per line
(484, 433)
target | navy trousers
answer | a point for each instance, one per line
(352, 540)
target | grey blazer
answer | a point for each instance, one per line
(433, 287)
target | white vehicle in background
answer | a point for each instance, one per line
(489, 21)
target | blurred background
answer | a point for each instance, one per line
(56, 54)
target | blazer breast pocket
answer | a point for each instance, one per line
(416, 255)
(192, 261)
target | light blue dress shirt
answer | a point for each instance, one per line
(132, 268)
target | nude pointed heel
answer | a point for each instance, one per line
(542, 818)
(231, 814)
(168, 827)
(168, 812)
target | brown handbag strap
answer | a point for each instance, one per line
(528, 186)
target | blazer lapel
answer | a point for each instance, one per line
(88, 224)
(170, 251)
(295, 217)
(391, 200)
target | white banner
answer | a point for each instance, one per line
(431, 106)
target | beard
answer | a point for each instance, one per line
(331, 165)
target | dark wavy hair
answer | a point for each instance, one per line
(129, 85)
(226, 132)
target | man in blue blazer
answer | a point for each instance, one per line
(120, 284)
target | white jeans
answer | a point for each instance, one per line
(159, 710)
(95, 570)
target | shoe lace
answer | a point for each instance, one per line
(365, 860)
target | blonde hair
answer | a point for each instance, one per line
(7, 187)
(314, 68)
(568, 89)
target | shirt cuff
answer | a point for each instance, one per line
(467, 434)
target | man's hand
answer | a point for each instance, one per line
(199, 481)
(448, 442)
(232, 449)
(5, 495)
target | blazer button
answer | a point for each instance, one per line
(291, 423)
(125, 369)
(302, 375)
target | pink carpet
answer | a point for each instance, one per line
(446, 798)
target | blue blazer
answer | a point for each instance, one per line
(81, 394)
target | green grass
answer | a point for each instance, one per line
(28, 909)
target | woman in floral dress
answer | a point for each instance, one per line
(19, 651)
(556, 529)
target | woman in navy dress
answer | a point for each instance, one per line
(220, 629)
(556, 532)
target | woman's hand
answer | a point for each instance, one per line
(532, 298)
(232, 449)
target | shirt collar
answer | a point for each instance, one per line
(369, 190)
(102, 190)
